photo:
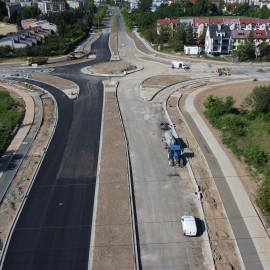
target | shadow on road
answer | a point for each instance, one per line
(200, 226)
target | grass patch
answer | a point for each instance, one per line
(11, 113)
(114, 28)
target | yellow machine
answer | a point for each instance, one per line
(71, 56)
(37, 60)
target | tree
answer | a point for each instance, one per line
(216, 107)
(246, 51)
(29, 12)
(90, 6)
(5, 51)
(201, 38)
(262, 13)
(179, 38)
(164, 34)
(259, 100)
(189, 35)
(144, 5)
(241, 9)
(3, 10)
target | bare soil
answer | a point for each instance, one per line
(113, 236)
(113, 67)
(114, 43)
(164, 80)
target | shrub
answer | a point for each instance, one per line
(216, 107)
(263, 198)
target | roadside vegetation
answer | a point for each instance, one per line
(246, 131)
(113, 28)
(11, 113)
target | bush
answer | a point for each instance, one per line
(247, 134)
(263, 198)
(216, 107)
(232, 125)
(257, 158)
(11, 112)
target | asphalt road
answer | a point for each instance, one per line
(53, 230)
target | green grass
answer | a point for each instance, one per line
(114, 28)
(11, 113)
(258, 134)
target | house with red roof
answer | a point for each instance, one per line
(199, 21)
(259, 36)
(167, 23)
(234, 23)
(262, 24)
(247, 23)
(216, 21)
(239, 37)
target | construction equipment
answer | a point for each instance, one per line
(71, 56)
(175, 153)
(37, 60)
(223, 71)
(168, 139)
(178, 151)
(175, 156)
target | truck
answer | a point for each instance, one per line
(71, 56)
(179, 64)
(175, 151)
(37, 60)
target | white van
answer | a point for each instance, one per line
(177, 64)
(189, 225)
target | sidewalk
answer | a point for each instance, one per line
(247, 227)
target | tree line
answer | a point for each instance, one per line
(72, 26)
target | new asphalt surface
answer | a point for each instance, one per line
(54, 228)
